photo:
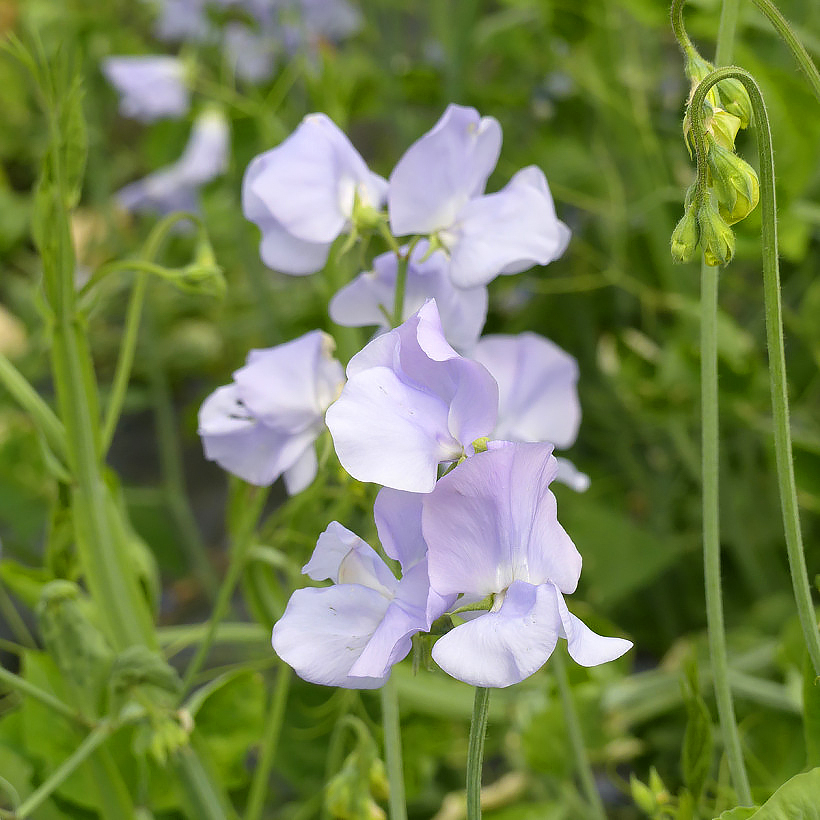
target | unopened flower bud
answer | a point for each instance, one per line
(735, 100)
(685, 236)
(716, 236)
(696, 70)
(735, 184)
(724, 126)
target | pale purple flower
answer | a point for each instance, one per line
(265, 423)
(369, 298)
(184, 20)
(437, 188)
(352, 633)
(410, 403)
(251, 53)
(176, 187)
(302, 195)
(150, 87)
(492, 530)
(537, 394)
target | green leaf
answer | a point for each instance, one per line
(25, 583)
(796, 799)
(738, 813)
(74, 141)
(696, 755)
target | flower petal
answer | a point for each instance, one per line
(324, 631)
(442, 170)
(398, 522)
(300, 476)
(492, 521)
(151, 86)
(586, 647)
(502, 648)
(505, 232)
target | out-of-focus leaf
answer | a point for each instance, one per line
(796, 799)
(696, 755)
(26, 583)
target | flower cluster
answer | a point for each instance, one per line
(458, 429)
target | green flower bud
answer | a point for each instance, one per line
(685, 237)
(724, 126)
(642, 796)
(735, 183)
(696, 70)
(736, 100)
(716, 236)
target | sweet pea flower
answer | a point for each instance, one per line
(352, 633)
(437, 188)
(265, 423)
(150, 87)
(410, 403)
(491, 529)
(369, 298)
(537, 394)
(176, 187)
(303, 193)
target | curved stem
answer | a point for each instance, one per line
(270, 741)
(475, 753)
(711, 532)
(775, 344)
(576, 737)
(392, 750)
(799, 52)
(678, 27)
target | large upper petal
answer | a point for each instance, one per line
(501, 648)
(309, 182)
(324, 631)
(537, 393)
(242, 444)
(492, 521)
(291, 385)
(505, 232)
(442, 170)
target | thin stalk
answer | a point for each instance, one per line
(242, 542)
(475, 751)
(392, 750)
(91, 743)
(711, 532)
(28, 689)
(125, 360)
(15, 623)
(799, 52)
(576, 737)
(776, 349)
(401, 285)
(726, 32)
(32, 402)
(270, 743)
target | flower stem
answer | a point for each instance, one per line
(726, 32)
(576, 737)
(711, 532)
(799, 52)
(392, 750)
(243, 537)
(475, 752)
(775, 344)
(270, 741)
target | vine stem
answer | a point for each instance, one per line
(392, 750)
(475, 751)
(270, 741)
(776, 349)
(243, 537)
(24, 687)
(711, 532)
(576, 737)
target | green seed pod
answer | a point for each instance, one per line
(685, 237)
(76, 644)
(736, 100)
(735, 184)
(716, 236)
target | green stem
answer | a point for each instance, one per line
(475, 751)
(711, 533)
(576, 737)
(392, 750)
(679, 28)
(31, 401)
(270, 743)
(776, 350)
(92, 741)
(125, 360)
(401, 285)
(23, 686)
(726, 32)
(799, 52)
(241, 544)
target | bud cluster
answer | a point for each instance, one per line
(731, 187)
